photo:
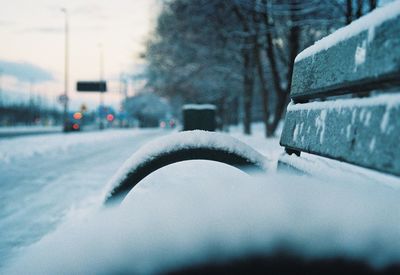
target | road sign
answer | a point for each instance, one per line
(83, 108)
(91, 86)
(62, 99)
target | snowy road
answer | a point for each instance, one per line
(42, 178)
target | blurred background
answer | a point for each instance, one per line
(156, 56)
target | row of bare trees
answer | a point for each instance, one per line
(31, 113)
(357, 9)
(228, 52)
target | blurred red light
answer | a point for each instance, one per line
(77, 115)
(75, 126)
(110, 117)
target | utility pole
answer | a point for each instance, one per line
(123, 87)
(31, 103)
(66, 69)
(101, 75)
(1, 88)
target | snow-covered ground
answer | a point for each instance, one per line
(184, 213)
(268, 147)
(56, 144)
(25, 129)
(43, 177)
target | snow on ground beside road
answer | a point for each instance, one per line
(24, 129)
(24, 147)
(213, 211)
(268, 147)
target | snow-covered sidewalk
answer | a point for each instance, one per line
(27, 129)
(25, 147)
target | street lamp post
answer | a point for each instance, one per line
(66, 68)
(1, 87)
(101, 76)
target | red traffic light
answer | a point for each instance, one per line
(110, 117)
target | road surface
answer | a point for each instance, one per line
(44, 177)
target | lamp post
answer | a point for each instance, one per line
(101, 76)
(66, 68)
(1, 87)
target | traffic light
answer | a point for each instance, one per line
(110, 117)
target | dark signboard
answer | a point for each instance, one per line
(91, 86)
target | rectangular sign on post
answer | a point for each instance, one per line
(91, 86)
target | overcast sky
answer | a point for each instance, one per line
(32, 43)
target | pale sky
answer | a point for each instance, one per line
(32, 31)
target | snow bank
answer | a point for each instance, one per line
(267, 146)
(25, 147)
(29, 129)
(368, 22)
(183, 140)
(222, 213)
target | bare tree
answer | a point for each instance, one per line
(349, 11)
(360, 8)
(191, 56)
(221, 51)
(275, 30)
